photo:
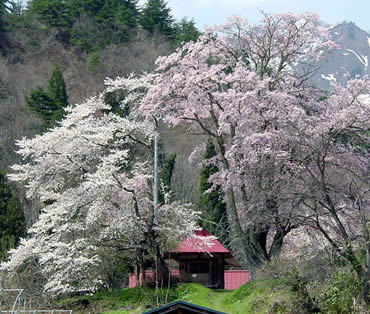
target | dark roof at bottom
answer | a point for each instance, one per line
(185, 307)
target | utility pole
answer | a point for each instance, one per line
(157, 116)
(155, 185)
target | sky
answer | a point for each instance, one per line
(212, 12)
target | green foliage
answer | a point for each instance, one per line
(185, 31)
(86, 34)
(211, 203)
(95, 24)
(9, 10)
(12, 222)
(90, 24)
(114, 99)
(165, 177)
(157, 17)
(52, 13)
(114, 268)
(57, 88)
(40, 103)
(268, 296)
(49, 105)
(339, 293)
(94, 61)
(299, 286)
(2, 14)
(100, 23)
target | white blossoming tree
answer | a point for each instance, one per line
(93, 173)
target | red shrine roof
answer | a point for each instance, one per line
(196, 245)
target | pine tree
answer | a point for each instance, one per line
(57, 92)
(39, 102)
(101, 23)
(211, 203)
(128, 13)
(55, 13)
(156, 17)
(186, 31)
(49, 105)
(12, 222)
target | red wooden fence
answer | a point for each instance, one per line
(233, 278)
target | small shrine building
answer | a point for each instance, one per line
(202, 263)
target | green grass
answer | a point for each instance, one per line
(268, 296)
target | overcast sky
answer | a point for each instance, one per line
(211, 12)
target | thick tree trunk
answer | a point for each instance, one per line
(249, 246)
(277, 241)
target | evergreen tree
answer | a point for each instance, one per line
(2, 13)
(156, 16)
(102, 23)
(186, 31)
(165, 177)
(123, 12)
(211, 203)
(3, 10)
(50, 104)
(54, 13)
(57, 92)
(12, 222)
(39, 102)
(129, 13)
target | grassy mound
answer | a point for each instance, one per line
(266, 296)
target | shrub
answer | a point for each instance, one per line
(340, 293)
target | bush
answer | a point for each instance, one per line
(339, 294)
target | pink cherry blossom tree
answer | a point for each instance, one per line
(330, 181)
(247, 87)
(93, 173)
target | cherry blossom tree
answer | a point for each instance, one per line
(330, 181)
(93, 173)
(247, 87)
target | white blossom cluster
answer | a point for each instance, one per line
(92, 172)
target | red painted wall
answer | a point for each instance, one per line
(233, 278)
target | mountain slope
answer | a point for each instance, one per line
(350, 61)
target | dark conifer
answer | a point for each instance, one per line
(186, 31)
(54, 13)
(157, 17)
(211, 203)
(57, 92)
(49, 105)
(166, 176)
(12, 222)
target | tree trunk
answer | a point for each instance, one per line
(277, 241)
(137, 275)
(249, 247)
(162, 272)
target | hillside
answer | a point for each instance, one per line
(350, 60)
(272, 296)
